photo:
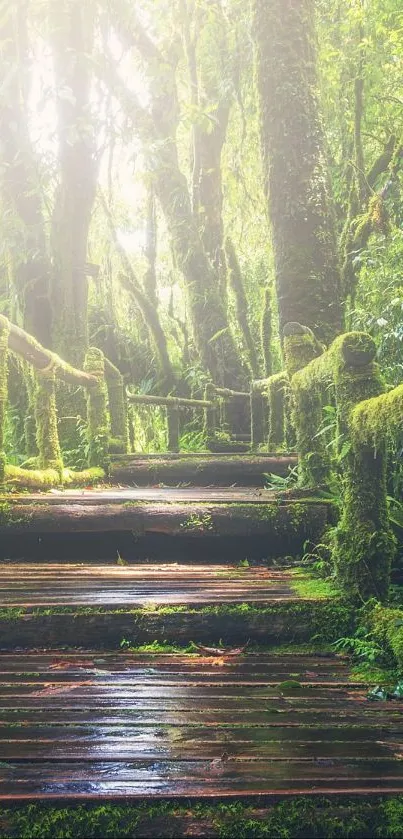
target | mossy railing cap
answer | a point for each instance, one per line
(382, 415)
(355, 349)
(300, 347)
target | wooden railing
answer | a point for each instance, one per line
(174, 405)
(362, 544)
(103, 386)
(227, 419)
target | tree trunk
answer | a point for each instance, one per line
(297, 186)
(241, 305)
(72, 43)
(20, 184)
(157, 128)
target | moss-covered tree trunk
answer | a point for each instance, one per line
(295, 169)
(72, 37)
(241, 306)
(23, 222)
(209, 64)
(157, 128)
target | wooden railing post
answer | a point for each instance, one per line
(119, 442)
(210, 414)
(47, 436)
(258, 415)
(173, 429)
(4, 333)
(300, 348)
(364, 544)
(278, 387)
(97, 413)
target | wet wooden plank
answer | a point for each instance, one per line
(157, 748)
(165, 494)
(68, 585)
(344, 714)
(199, 733)
(198, 778)
(128, 725)
(100, 678)
(221, 669)
(174, 662)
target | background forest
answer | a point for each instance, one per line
(135, 216)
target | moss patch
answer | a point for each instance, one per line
(296, 818)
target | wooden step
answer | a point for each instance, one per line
(69, 584)
(91, 726)
(63, 603)
(200, 469)
(186, 513)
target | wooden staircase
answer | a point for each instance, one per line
(92, 709)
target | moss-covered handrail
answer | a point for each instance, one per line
(23, 344)
(169, 401)
(382, 415)
(49, 367)
(174, 404)
(362, 543)
(227, 393)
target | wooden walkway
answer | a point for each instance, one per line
(85, 726)
(29, 585)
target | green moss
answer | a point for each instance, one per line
(266, 331)
(8, 517)
(298, 817)
(386, 627)
(374, 418)
(312, 588)
(48, 478)
(300, 347)
(87, 477)
(47, 437)
(32, 478)
(363, 544)
(119, 429)
(11, 614)
(324, 619)
(199, 522)
(277, 389)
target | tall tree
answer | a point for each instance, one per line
(295, 167)
(157, 128)
(24, 225)
(210, 61)
(72, 38)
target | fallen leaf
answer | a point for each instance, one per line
(71, 665)
(50, 689)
